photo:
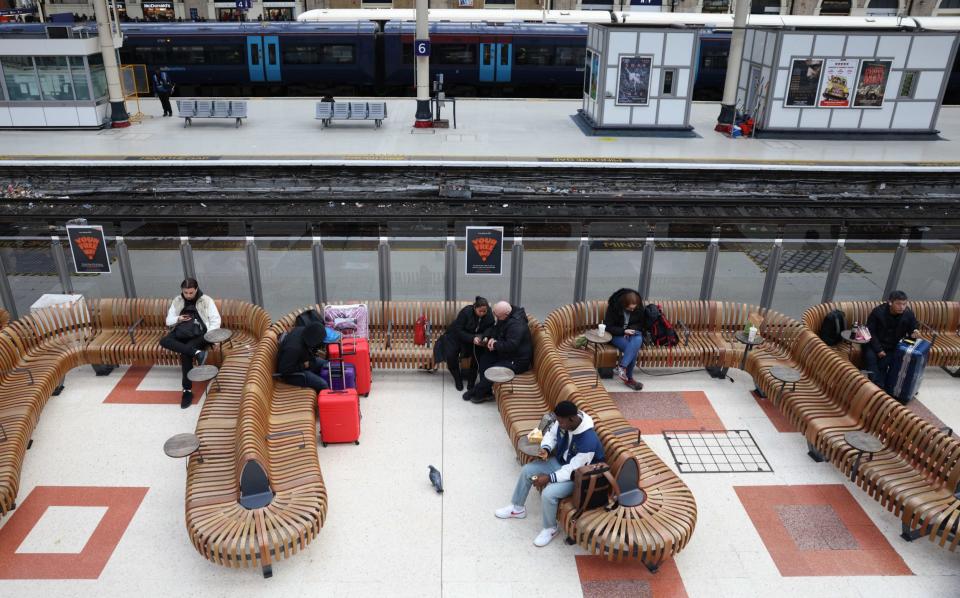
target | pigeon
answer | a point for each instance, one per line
(435, 479)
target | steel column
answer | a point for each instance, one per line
(833, 276)
(319, 271)
(580, 277)
(646, 268)
(709, 269)
(516, 270)
(383, 257)
(126, 272)
(6, 293)
(61, 262)
(953, 281)
(893, 279)
(186, 258)
(773, 269)
(253, 272)
(450, 270)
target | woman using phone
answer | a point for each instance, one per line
(625, 321)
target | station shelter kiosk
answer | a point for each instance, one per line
(638, 78)
(875, 78)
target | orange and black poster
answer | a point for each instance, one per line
(89, 249)
(485, 250)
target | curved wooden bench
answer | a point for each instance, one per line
(263, 425)
(37, 351)
(4, 317)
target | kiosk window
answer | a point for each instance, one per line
(20, 77)
(908, 84)
(669, 82)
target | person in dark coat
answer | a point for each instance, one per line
(464, 339)
(508, 345)
(888, 323)
(163, 87)
(626, 322)
(297, 360)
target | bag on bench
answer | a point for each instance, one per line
(832, 325)
(591, 487)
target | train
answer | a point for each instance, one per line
(499, 53)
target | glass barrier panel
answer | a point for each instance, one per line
(286, 273)
(493, 287)
(865, 272)
(31, 271)
(549, 271)
(926, 268)
(677, 269)
(614, 264)
(416, 269)
(157, 269)
(741, 269)
(96, 286)
(804, 266)
(352, 269)
(221, 267)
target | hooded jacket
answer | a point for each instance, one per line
(573, 449)
(206, 309)
(512, 338)
(468, 325)
(614, 317)
(294, 352)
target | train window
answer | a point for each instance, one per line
(407, 53)
(487, 53)
(570, 56)
(504, 54)
(337, 54)
(271, 53)
(908, 84)
(225, 54)
(145, 55)
(669, 82)
(535, 55)
(455, 53)
(21, 79)
(716, 6)
(713, 59)
(186, 55)
(949, 5)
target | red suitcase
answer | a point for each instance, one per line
(357, 352)
(339, 412)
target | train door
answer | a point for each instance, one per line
(263, 58)
(496, 62)
(255, 58)
(271, 62)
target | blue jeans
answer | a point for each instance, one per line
(878, 367)
(552, 494)
(630, 347)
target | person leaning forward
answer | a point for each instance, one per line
(569, 443)
(508, 345)
(297, 360)
(191, 315)
(463, 338)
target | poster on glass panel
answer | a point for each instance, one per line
(633, 81)
(872, 83)
(838, 79)
(804, 82)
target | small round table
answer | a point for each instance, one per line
(499, 375)
(786, 375)
(862, 443)
(183, 445)
(218, 336)
(742, 337)
(204, 373)
(531, 449)
(847, 335)
(595, 338)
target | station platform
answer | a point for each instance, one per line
(489, 133)
(101, 507)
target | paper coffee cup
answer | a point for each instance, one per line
(601, 328)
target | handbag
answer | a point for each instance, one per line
(189, 330)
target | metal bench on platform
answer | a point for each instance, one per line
(331, 111)
(191, 109)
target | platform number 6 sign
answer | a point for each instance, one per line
(421, 47)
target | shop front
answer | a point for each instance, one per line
(158, 11)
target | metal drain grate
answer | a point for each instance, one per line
(715, 451)
(804, 261)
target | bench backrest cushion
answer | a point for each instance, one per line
(377, 110)
(358, 110)
(341, 110)
(324, 110)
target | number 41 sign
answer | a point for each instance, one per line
(421, 47)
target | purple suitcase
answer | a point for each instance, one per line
(340, 380)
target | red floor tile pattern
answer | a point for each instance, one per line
(654, 412)
(126, 391)
(766, 507)
(121, 502)
(781, 423)
(599, 578)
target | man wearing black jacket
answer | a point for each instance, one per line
(463, 339)
(888, 323)
(297, 360)
(508, 345)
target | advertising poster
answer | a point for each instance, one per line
(633, 81)
(484, 250)
(594, 76)
(839, 75)
(804, 82)
(89, 249)
(872, 83)
(588, 73)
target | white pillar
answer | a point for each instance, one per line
(424, 117)
(728, 108)
(118, 112)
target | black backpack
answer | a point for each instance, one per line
(832, 325)
(662, 333)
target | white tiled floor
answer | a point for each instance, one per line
(389, 533)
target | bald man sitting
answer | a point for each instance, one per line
(508, 345)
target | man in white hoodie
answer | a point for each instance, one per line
(191, 315)
(573, 443)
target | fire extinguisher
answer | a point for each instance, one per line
(420, 331)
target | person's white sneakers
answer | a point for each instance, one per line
(545, 536)
(511, 512)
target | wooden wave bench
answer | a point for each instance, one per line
(258, 496)
(37, 351)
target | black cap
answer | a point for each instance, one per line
(314, 334)
(565, 409)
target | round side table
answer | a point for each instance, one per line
(183, 445)
(595, 338)
(742, 337)
(204, 373)
(863, 443)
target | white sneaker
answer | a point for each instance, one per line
(545, 536)
(620, 372)
(511, 512)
